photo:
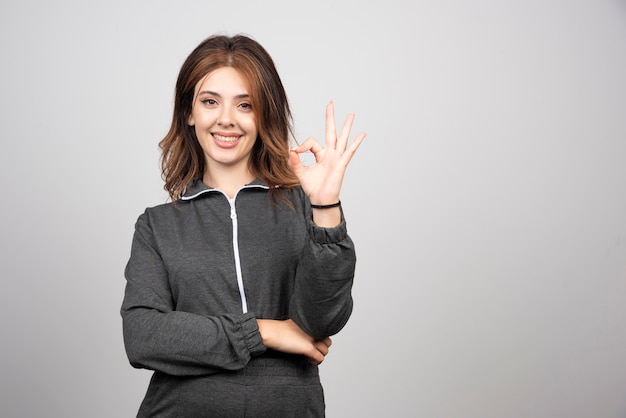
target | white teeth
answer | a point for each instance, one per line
(226, 138)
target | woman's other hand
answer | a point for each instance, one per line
(288, 337)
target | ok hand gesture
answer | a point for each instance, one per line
(322, 180)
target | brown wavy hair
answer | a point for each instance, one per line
(182, 159)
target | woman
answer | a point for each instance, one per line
(235, 286)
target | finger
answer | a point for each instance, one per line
(351, 150)
(342, 140)
(294, 161)
(315, 356)
(310, 145)
(331, 131)
(322, 347)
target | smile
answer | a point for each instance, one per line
(230, 139)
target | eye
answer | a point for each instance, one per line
(246, 106)
(209, 101)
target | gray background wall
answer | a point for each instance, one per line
(488, 203)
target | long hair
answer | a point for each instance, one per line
(182, 158)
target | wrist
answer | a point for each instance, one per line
(267, 331)
(326, 206)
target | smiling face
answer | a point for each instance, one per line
(224, 120)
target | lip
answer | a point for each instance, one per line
(226, 140)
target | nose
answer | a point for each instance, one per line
(225, 117)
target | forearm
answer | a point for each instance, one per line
(322, 300)
(181, 343)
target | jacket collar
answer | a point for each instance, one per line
(197, 188)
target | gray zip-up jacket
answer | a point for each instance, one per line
(201, 272)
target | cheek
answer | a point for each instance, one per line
(195, 118)
(250, 124)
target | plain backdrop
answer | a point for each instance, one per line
(487, 204)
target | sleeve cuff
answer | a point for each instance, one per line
(252, 336)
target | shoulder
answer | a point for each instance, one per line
(162, 212)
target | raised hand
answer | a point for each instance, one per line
(322, 180)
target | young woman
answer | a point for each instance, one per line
(234, 287)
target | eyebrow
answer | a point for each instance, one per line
(214, 93)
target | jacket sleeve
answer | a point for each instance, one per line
(158, 337)
(322, 301)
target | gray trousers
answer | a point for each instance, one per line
(276, 386)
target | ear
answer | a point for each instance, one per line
(191, 121)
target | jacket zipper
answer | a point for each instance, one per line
(242, 293)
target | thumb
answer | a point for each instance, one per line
(294, 161)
